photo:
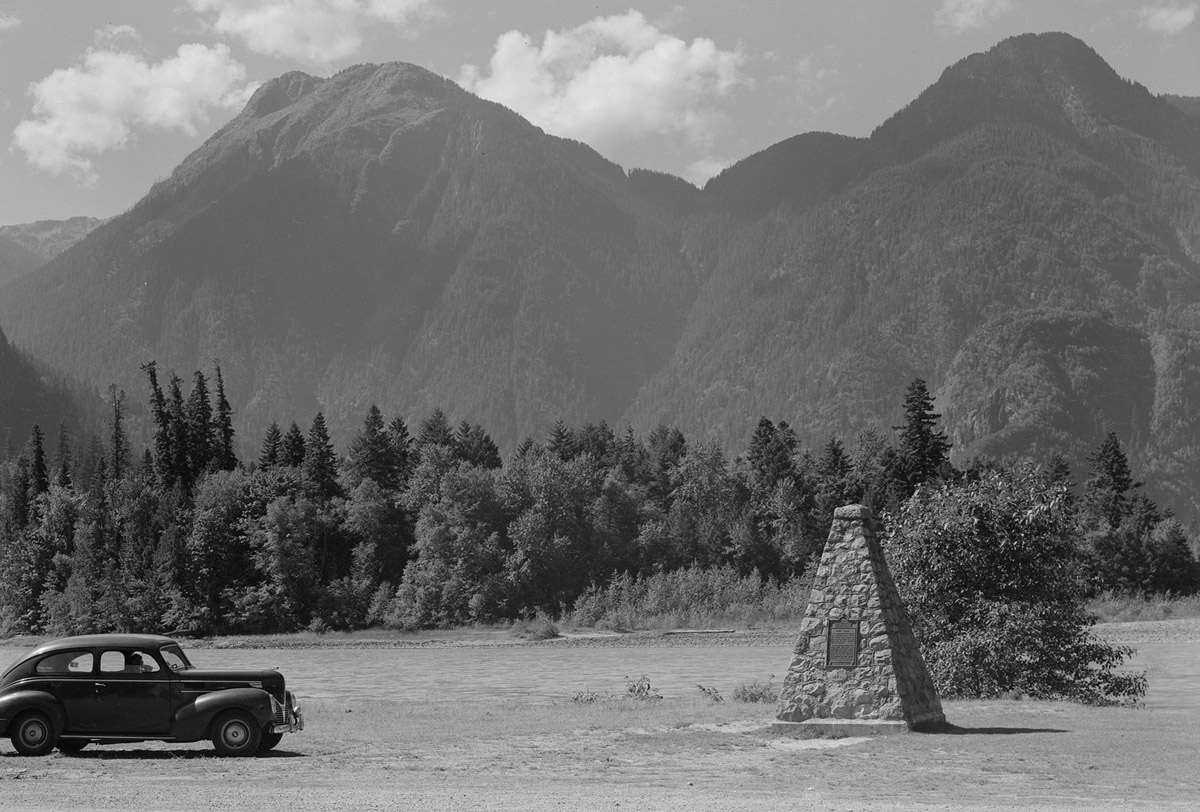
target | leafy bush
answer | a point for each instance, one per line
(991, 574)
(538, 627)
(690, 597)
(757, 691)
(641, 689)
(711, 693)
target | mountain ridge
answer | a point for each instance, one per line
(384, 236)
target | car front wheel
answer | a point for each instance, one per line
(235, 733)
(32, 734)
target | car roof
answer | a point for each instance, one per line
(101, 640)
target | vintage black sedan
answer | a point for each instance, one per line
(116, 688)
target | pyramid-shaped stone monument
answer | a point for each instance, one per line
(856, 666)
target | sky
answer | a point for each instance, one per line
(101, 98)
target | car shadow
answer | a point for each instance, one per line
(102, 754)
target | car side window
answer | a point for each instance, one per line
(127, 662)
(66, 662)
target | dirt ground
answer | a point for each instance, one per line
(681, 754)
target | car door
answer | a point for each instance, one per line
(132, 694)
(68, 676)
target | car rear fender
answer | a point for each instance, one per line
(192, 721)
(14, 704)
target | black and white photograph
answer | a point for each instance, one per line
(731, 405)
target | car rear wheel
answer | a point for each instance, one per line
(269, 740)
(71, 745)
(32, 734)
(235, 733)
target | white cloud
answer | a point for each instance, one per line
(110, 33)
(316, 30)
(963, 15)
(95, 106)
(1168, 19)
(612, 81)
(8, 21)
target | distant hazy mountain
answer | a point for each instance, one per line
(27, 246)
(1025, 235)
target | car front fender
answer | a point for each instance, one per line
(193, 720)
(16, 703)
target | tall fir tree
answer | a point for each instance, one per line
(181, 471)
(272, 447)
(226, 460)
(118, 441)
(370, 455)
(924, 449)
(39, 474)
(320, 464)
(402, 450)
(1108, 492)
(561, 441)
(62, 460)
(291, 453)
(201, 432)
(435, 430)
(163, 456)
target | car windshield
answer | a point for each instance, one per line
(175, 658)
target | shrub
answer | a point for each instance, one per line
(711, 693)
(991, 574)
(757, 691)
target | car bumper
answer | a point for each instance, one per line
(289, 718)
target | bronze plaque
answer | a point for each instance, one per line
(842, 644)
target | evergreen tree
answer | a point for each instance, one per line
(320, 465)
(272, 447)
(162, 427)
(1107, 494)
(402, 450)
(225, 458)
(39, 475)
(292, 451)
(476, 447)
(561, 441)
(180, 452)
(435, 430)
(62, 462)
(770, 454)
(924, 450)
(524, 448)
(200, 429)
(118, 446)
(596, 440)
(371, 455)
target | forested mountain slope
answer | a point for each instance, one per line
(15, 259)
(1025, 235)
(381, 235)
(29, 396)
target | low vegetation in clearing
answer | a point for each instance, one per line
(1121, 607)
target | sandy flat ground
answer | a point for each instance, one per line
(676, 754)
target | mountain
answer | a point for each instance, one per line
(15, 259)
(1025, 235)
(30, 395)
(29, 245)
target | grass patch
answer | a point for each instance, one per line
(1117, 607)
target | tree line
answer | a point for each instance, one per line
(435, 528)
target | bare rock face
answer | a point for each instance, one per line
(857, 658)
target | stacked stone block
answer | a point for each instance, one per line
(888, 681)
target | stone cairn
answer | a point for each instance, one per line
(856, 666)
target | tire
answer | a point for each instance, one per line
(236, 733)
(268, 741)
(32, 734)
(71, 745)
